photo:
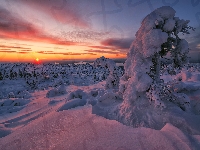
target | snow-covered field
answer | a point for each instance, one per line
(147, 105)
(60, 112)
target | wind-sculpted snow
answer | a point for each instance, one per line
(12, 105)
(79, 129)
(72, 104)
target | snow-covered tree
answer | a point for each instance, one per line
(157, 36)
(112, 80)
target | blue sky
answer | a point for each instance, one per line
(82, 29)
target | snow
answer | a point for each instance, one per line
(57, 91)
(62, 122)
(79, 129)
(72, 104)
(152, 41)
(102, 106)
(169, 25)
(184, 46)
(113, 79)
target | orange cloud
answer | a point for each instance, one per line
(64, 53)
(102, 51)
(7, 51)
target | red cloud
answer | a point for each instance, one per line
(66, 12)
(118, 43)
(12, 27)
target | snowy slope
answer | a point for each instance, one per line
(79, 129)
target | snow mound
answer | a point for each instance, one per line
(61, 90)
(12, 105)
(23, 94)
(77, 94)
(79, 129)
(72, 104)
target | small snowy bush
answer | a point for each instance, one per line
(77, 94)
(52, 93)
(112, 80)
(61, 90)
(11, 95)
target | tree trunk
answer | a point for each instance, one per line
(157, 68)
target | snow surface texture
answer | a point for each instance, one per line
(79, 129)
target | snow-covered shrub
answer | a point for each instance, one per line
(78, 98)
(7, 102)
(112, 80)
(182, 100)
(14, 105)
(77, 94)
(61, 90)
(94, 93)
(157, 95)
(168, 92)
(52, 93)
(23, 94)
(15, 102)
(185, 75)
(11, 95)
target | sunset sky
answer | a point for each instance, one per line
(81, 29)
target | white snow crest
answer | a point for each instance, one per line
(152, 41)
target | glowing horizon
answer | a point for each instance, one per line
(78, 30)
